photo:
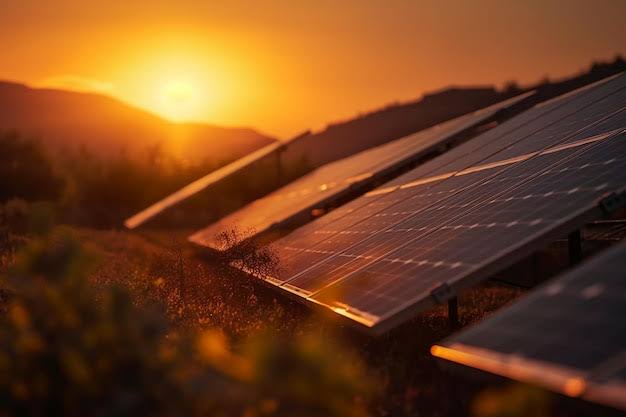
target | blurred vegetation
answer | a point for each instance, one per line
(26, 171)
(102, 193)
(514, 400)
(269, 356)
(72, 347)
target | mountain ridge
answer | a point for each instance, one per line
(340, 139)
(107, 126)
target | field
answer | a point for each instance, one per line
(393, 153)
(95, 320)
(201, 294)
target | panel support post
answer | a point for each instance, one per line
(279, 167)
(575, 247)
(453, 313)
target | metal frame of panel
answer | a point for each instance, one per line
(591, 381)
(405, 153)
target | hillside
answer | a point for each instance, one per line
(379, 126)
(106, 126)
(345, 138)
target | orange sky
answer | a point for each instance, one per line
(284, 66)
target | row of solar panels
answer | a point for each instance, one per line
(453, 220)
(461, 217)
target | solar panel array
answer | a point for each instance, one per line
(568, 335)
(334, 180)
(427, 174)
(464, 215)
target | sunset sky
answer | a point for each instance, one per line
(284, 66)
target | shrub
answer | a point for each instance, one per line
(26, 171)
(73, 349)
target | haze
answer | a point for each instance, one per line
(284, 66)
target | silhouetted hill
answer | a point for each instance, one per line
(105, 126)
(342, 139)
(345, 138)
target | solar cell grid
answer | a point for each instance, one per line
(420, 229)
(457, 192)
(464, 156)
(451, 229)
(572, 324)
(516, 130)
(446, 254)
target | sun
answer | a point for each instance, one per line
(182, 87)
(177, 99)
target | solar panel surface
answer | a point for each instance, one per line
(332, 181)
(569, 335)
(537, 173)
(427, 176)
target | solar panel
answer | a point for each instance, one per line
(333, 181)
(335, 224)
(569, 335)
(425, 236)
(209, 179)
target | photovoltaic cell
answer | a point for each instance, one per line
(569, 335)
(334, 226)
(332, 181)
(430, 255)
(453, 227)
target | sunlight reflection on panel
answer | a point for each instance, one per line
(477, 212)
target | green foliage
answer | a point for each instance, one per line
(311, 377)
(70, 348)
(63, 354)
(26, 171)
(515, 400)
(103, 193)
(18, 220)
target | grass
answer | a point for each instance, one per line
(196, 293)
(201, 294)
(216, 296)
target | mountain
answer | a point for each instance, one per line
(107, 127)
(345, 138)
